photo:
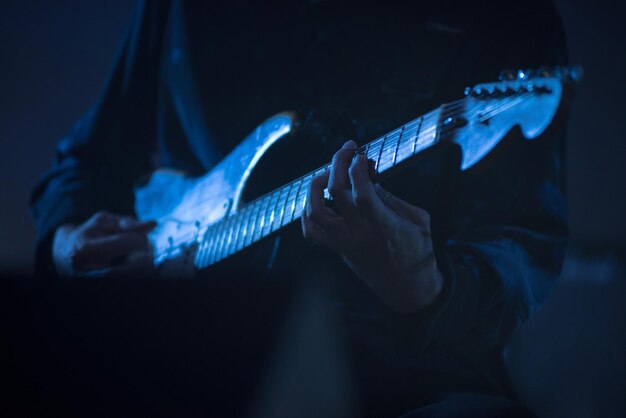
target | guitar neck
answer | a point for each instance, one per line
(284, 205)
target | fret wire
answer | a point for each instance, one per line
(284, 206)
(285, 220)
(241, 230)
(234, 221)
(227, 233)
(211, 240)
(367, 150)
(388, 153)
(306, 182)
(373, 149)
(380, 154)
(295, 200)
(261, 219)
(236, 228)
(271, 214)
(404, 150)
(251, 223)
(199, 257)
(250, 227)
(218, 240)
(228, 238)
(209, 247)
(424, 133)
(278, 214)
(395, 151)
(244, 221)
(417, 134)
(213, 244)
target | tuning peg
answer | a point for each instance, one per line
(523, 74)
(509, 91)
(575, 73)
(478, 92)
(572, 73)
(507, 75)
(545, 72)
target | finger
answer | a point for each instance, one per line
(403, 208)
(131, 224)
(109, 222)
(316, 207)
(363, 193)
(315, 196)
(106, 248)
(314, 233)
(339, 182)
(101, 220)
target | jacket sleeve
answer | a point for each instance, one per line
(505, 255)
(507, 223)
(98, 161)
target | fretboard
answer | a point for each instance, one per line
(269, 213)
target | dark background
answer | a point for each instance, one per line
(567, 361)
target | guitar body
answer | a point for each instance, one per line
(186, 206)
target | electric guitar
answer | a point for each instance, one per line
(203, 220)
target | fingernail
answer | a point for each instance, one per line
(349, 145)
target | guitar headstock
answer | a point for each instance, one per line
(518, 82)
(567, 74)
(525, 98)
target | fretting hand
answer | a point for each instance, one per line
(385, 240)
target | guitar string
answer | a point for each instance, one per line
(269, 194)
(187, 240)
(255, 205)
(238, 219)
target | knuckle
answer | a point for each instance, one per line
(74, 260)
(362, 200)
(333, 189)
(80, 247)
(339, 154)
(316, 182)
(342, 154)
(101, 218)
(336, 158)
(315, 216)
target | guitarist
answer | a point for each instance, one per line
(448, 270)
